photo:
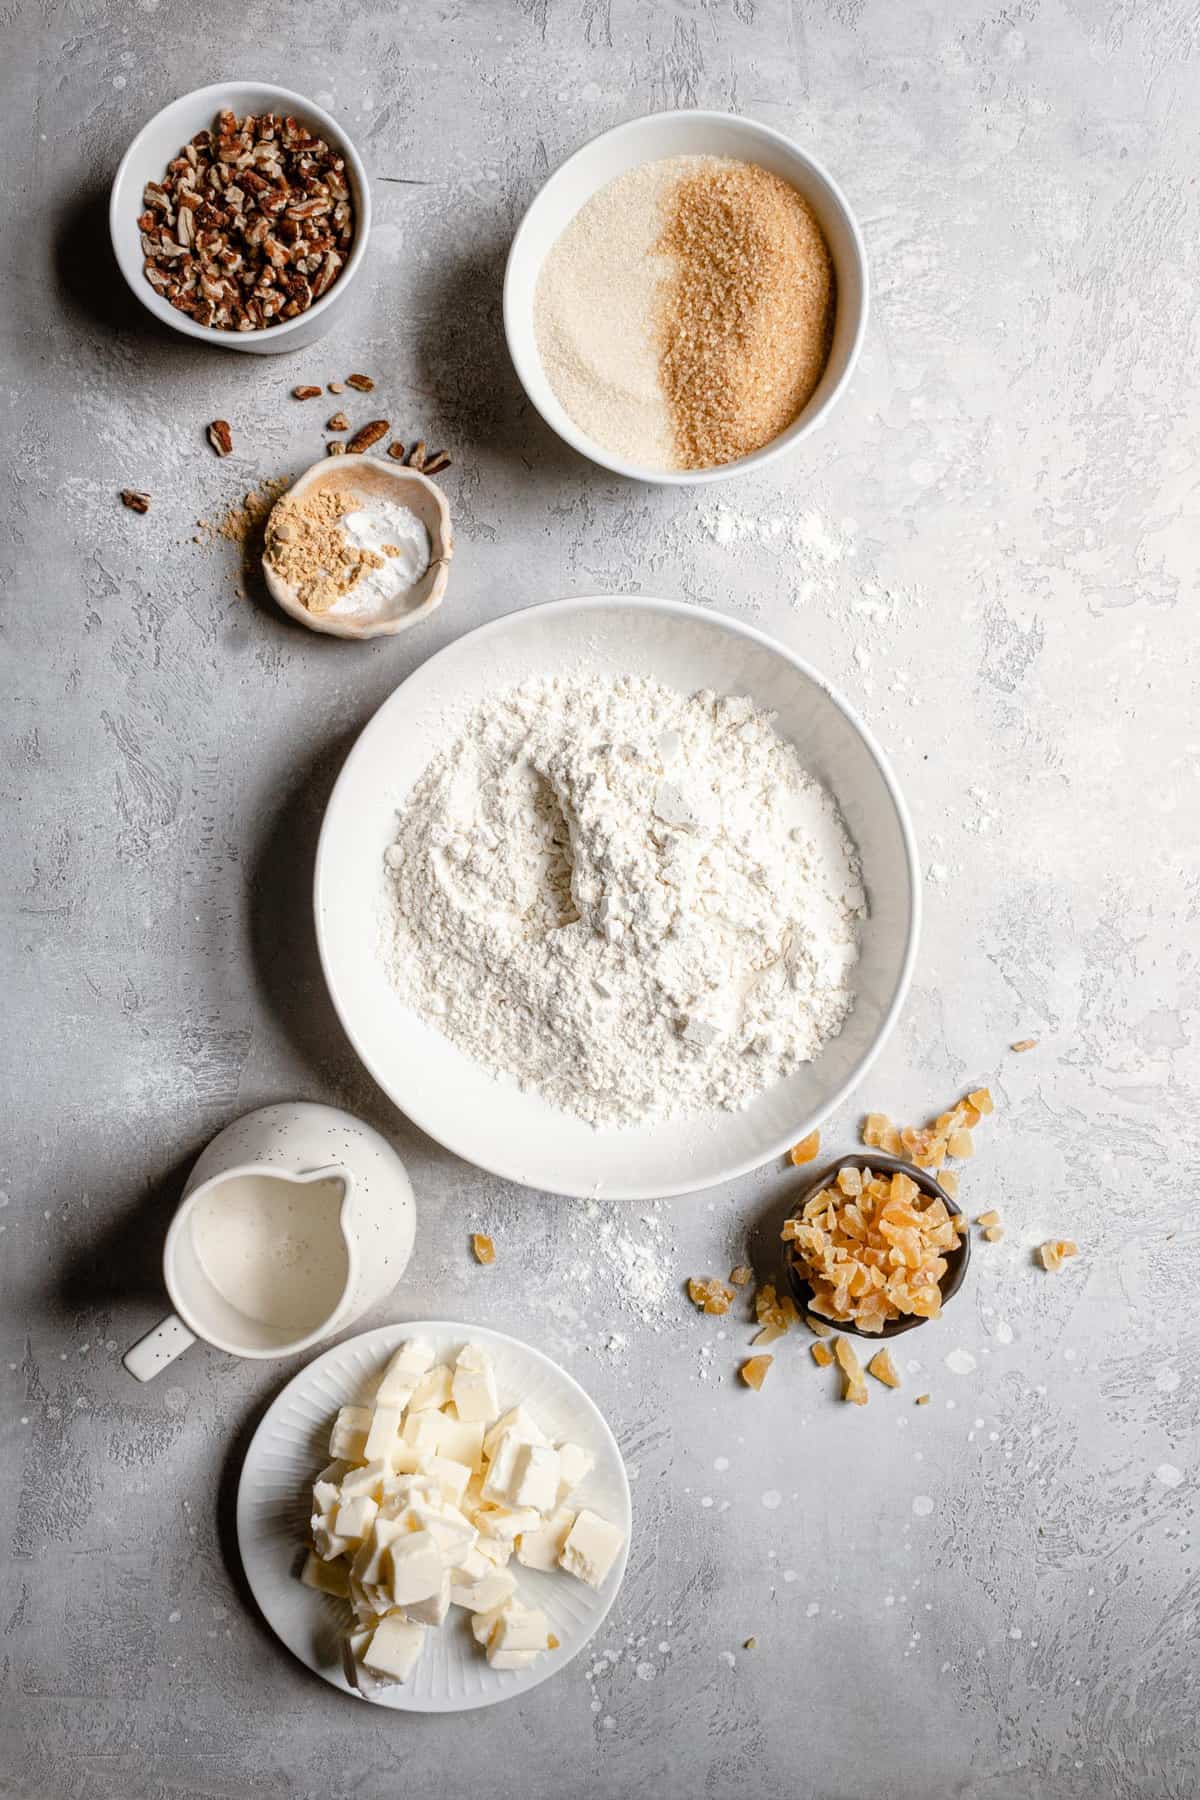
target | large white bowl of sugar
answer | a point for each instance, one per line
(490, 1121)
(651, 139)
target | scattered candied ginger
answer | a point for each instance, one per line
(1056, 1252)
(806, 1149)
(710, 1295)
(742, 1276)
(884, 1369)
(754, 1371)
(485, 1250)
(821, 1354)
(928, 1146)
(873, 1248)
(854, 1388)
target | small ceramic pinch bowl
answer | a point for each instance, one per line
(369, 476)
(651, 139)
(879, 1164)
(146, 160)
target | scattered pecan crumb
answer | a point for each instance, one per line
(416, 458)
(337, 387)
(1056, 1252)
(136, 501)
(335, 448)
(884, 1369)
(366, 435)
(741, 1276)
(436, 463)
(485, 1250)
(754, 1371)
(922, 1400)
(821, 1354)
(220, 437)
(306, 393)
(751, 1643)
(337, 422)
(396, 449)
(709, 1295)
(1024, 1044)
(363, 383)
(806, 1149)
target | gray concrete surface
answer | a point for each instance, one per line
(991, 549)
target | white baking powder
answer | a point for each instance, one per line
(395, 533)
(635, 902)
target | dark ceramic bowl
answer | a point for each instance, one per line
(879, 1164)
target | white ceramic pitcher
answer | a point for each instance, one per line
(294, 1221)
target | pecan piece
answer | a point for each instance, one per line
(436, 463)
(363, 383)
(368, 434)
(339, 422)
(396, 450)
(135, 501)
(221, 437)
(417, 459)
(306, 393)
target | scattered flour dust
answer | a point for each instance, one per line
(636, 903)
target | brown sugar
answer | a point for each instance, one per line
(747, 318)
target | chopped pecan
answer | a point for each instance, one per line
(363, 383)
(337, 422)
(436, 463)
(306, 393)
(366, 435)
(220, 437)
(396, 449)
(135, 501)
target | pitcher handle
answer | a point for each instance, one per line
(160, 1346)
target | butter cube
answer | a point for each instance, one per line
(542, 1547)
(422, 1429)
(369, 1600)
(498, 1477)
(452, 1478)
(506, 1523)
(327, 1578)
(591, 1549)
(326, 1541)
(326, 1495)
(383, 1433)
(349, 1435)
(433, 1610)
(452, 1531)
(473, 1388)
(483, 1624)
(354, 1645)
(511, 1659)
(370, 1562)
(369, 1479)
(406, 1459)
(517, 1636)
(432, 1390)
(395, 1648)
(355, 1517)
(535, 1478)
(517, 1419)
(416, 1568)
(473, 1567)
(459, 1440)
(496, 1551)
(403, 1372)
(493, 1589)
(574, 1464)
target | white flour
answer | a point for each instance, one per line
(637, 903)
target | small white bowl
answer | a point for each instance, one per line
(146, 160)
(391, 481)
(650, 139)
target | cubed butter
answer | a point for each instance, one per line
(355, 1517)
(403, 1372)
(498, 1476)
(349, 1435)
(326, 1541)
(535, 1478)
(395, 1648)
(416, 1568)
(433, 1610)
(422, 1430)
(459, 1440)
(591, 1548)
(326, 1577)
(542, 1547)
(506, 1523)
(452, 1531)
(492, 1589)
(520, 1628)
(368, 1479)
(383, 1433)
(453, 1478)
(574, 1463)
(517, 1419)
(473, 1388)
(433, 1390)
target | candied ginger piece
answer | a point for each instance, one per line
(884, 1369)
(821, 1354)
(850, 1181)
(873, 1128)
(818, 1327)
(994, 1234)
(922, 1400)
(949, 1181)
(754, 1371)
(1024, 1044)
(770, 1334)
(988, 1218)
(710, 1296)
(890, 1143)
(854, 1387)
(806, 1149)
(959, 1144)
(741, 1276)
(1056, 1251)
(981, 1100)
(485, 1250)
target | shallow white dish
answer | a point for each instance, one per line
(650, 139)
(146, 159)
(490, 1122)
(274, 1502)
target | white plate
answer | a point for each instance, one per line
(491, 1122)
(290, 1447)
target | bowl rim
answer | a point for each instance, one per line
(927, 1181)
(809, 420)
(500, 1165)
(221, 93)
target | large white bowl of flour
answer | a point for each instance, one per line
(491, 1120)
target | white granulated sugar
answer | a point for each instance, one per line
(636, 903)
